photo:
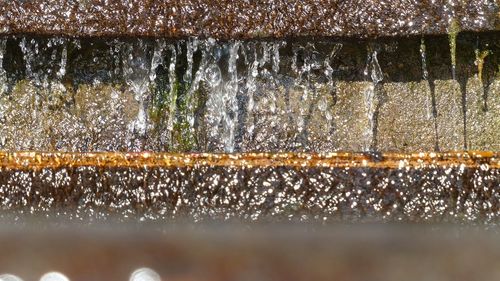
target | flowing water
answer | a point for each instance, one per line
(233, 96)
(212, 96)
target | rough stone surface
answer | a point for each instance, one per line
(245, 19)
(406, 120)
(483, 115)
(94, 119)
(351, 116)
(450, 117)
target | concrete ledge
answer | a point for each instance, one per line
(226, 19)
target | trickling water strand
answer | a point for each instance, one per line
(270, 53)
(3, 74)
(222, 104)
(276, 57)
(327, 65)
(191, 48)
(29, 50)
(64, 59)
(231, 102)
(423, 55)
(157, 59)
(137, 74)
(115, 51)
(199, 76)
(266, 49)
(252, 73)
(376, 75)
(425, 76)
(216, 104)
(328, 71)
(330, 85)
(370, 106)
(172, 80)
(304, 83)
(294, 67)
(376, 72)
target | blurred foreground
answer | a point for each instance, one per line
(278, 252)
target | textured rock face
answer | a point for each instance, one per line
(245, 19)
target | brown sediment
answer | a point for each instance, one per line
(52, 160)
(227, 19)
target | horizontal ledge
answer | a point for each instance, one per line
(53, 160)
(225, 19)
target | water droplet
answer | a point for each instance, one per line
(213, 75)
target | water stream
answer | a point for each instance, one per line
(209, 95)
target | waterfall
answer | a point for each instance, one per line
(205, 94)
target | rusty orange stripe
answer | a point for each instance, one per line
(40, 160)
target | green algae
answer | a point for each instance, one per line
(480, 56)
(453, 31)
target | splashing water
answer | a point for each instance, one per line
(192, 95)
